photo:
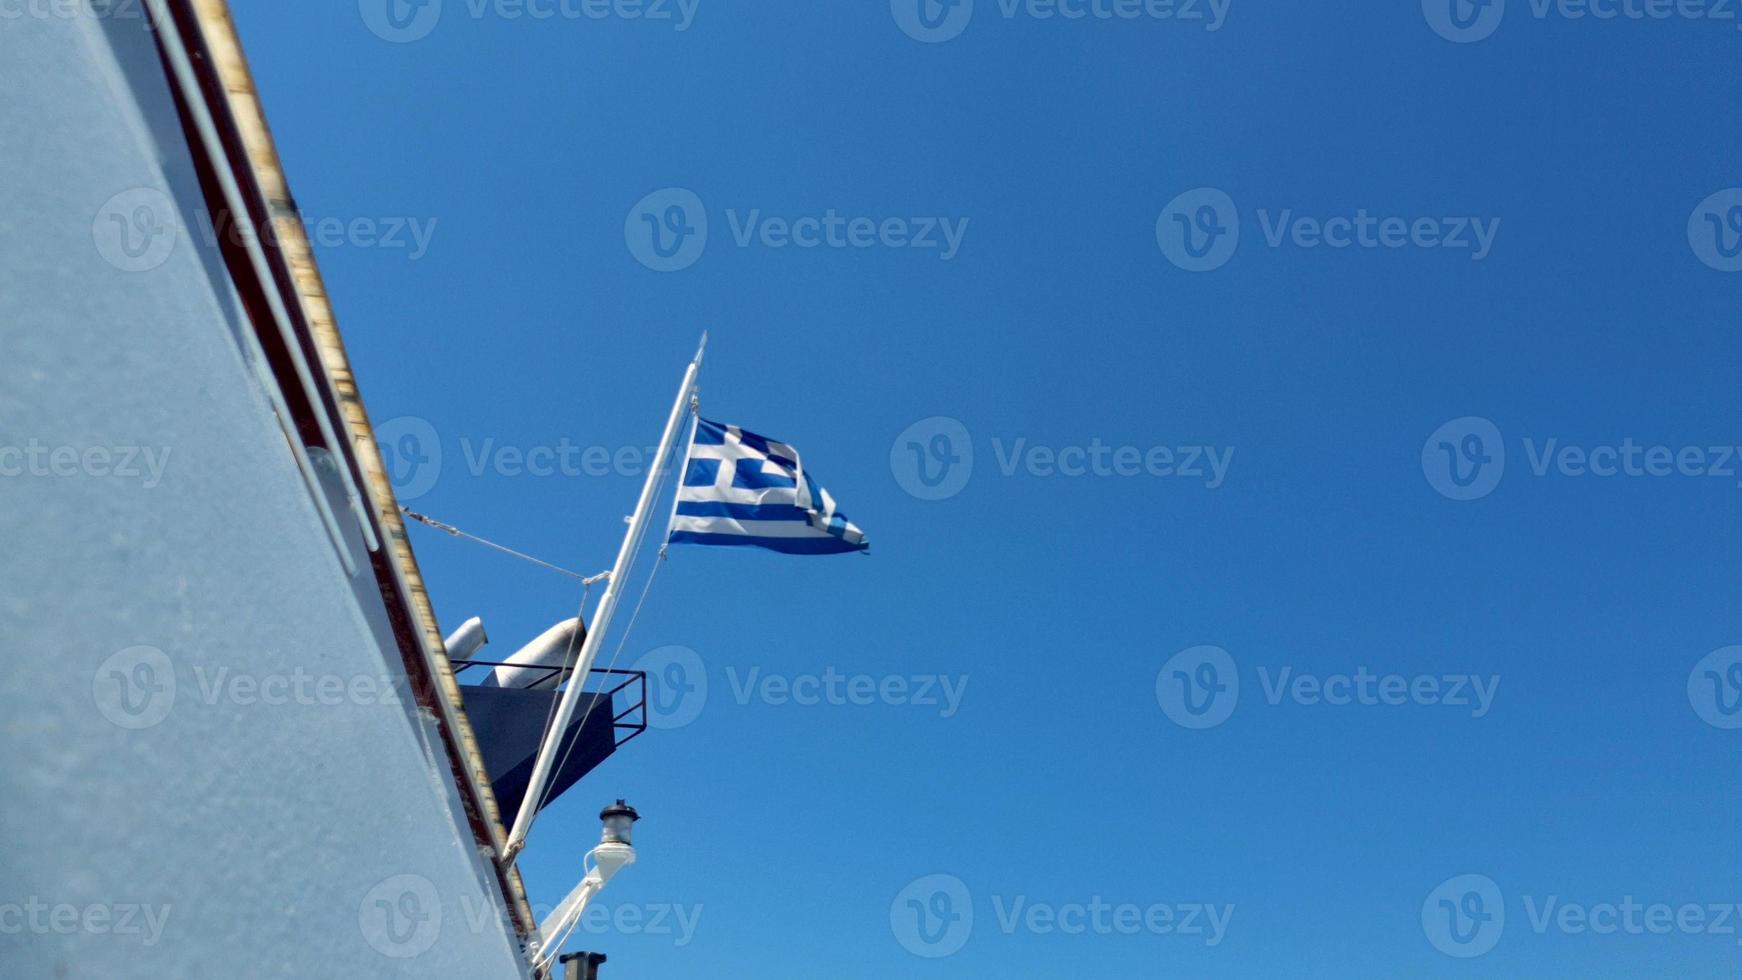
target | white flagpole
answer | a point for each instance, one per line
(638, 524)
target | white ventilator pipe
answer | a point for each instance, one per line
(556, 647)
(467, 640)
(638, 523)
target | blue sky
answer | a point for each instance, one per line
(1534, 224)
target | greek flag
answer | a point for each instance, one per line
(740, 488)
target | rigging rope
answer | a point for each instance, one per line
(623, 640)
(587, 583)
(550, 712)
(456, 532)
(594, 702)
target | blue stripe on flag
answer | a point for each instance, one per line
(826, 545)
(755, 474)
(755, 442)
(742, 512)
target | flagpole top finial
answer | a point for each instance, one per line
(701, 346)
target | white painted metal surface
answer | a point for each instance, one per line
(211, 760)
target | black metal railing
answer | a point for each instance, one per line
(631, 718)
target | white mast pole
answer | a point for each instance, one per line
(638, 524)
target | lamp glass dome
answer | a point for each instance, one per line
(619, 822)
